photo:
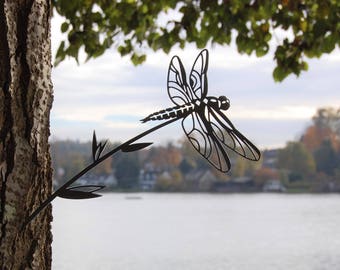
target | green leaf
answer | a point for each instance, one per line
(279, 74)
(73, 51)
(144, 8)
(60, 56)
(138, 59)
(261, 51)
(329, 44)
(96, 16)
(267, 37)
(304, 66)
(64, 27)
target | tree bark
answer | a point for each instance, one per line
(25, 104)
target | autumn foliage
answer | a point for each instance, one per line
(264, 174)
(315, 135)
(317, 154)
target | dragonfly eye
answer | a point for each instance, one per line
(225, 103)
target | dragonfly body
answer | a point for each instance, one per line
(181, 111)
(208, 129)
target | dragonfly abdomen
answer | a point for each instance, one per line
(169, 113)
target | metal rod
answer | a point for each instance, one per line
(91, 166)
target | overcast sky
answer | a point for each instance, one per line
(111, 95)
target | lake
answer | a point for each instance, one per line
(150, 231)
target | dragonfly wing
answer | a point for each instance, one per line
(205, 142)
(198, 75)
(178, 89)
(229, 137)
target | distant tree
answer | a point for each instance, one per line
(239, 169)
(326, 126)
(127, 170)
(297, 159)
(314, 136)
(243, 166)
(165, 158)
(192, 156)
(104, 168)
(71, 157)
(73, 164)
(172, 183)
(173, 154)
(326, 158)
(186, 166)
(328, 118)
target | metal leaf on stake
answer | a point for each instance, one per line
(208, 129)
(97, 149)
(134, 147)
(80, 192)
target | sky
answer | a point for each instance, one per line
(110, 95)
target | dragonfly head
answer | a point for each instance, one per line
(224, 103)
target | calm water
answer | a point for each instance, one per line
(198, 232)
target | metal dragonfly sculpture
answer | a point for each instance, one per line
(210, 132)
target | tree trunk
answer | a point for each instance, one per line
(25, 104)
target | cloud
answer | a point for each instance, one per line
(267, 133)
(110, 95)
(277, 113)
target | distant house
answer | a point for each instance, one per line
(147, 178)
(238, 184)
(108, 181)
(273, 185)
(200, 180)
(270, 158)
